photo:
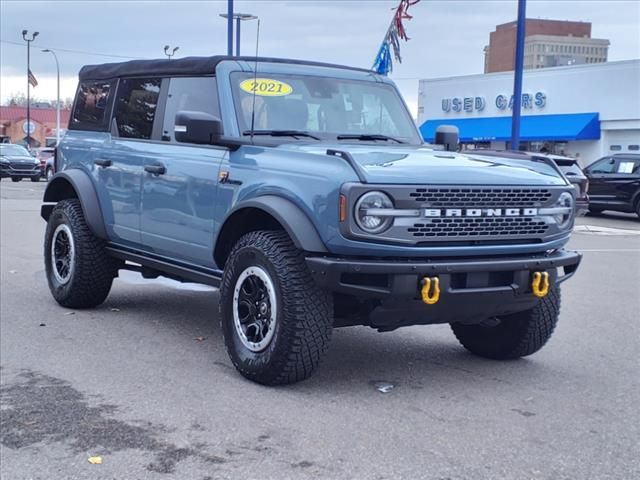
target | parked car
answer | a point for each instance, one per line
(45, 156)
(567, 165)
(305, 193)
(17, 163)
(615, 183)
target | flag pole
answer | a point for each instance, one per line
(517, 80)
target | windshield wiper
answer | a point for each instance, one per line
(282, 133)
(367, 136)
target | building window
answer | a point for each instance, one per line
(615, 148)
(136, 107)
(634, 148)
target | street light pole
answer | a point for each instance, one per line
(33, 37)
(239, 17)
(57, 96)
(173, 52)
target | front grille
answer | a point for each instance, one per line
(478, 227)
(481, 197)
(23, 166)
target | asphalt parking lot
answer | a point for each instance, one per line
(145, 383)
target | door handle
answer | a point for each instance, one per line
(102, 162)
(157, 169)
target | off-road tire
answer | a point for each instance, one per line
(93, 271)
(16, 179)
(517, 335)
(304, 316)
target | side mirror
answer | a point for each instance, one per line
(197, 127)
(447, 135)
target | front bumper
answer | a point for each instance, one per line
(472, 289)
(8, 171)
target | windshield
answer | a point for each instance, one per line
(325, 107)
(13, 150)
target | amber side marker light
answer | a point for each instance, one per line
(343, 208)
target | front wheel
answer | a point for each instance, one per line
(79, 270)
(276, 322)
(35, 179)
(516, 335)
(16, 179)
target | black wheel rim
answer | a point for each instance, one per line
(254, 308)
(62, 253)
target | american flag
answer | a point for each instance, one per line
(32, 79)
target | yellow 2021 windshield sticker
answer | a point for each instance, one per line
(266, 87)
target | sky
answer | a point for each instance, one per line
(447, 37)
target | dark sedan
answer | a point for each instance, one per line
(615, 183)
(17, 163)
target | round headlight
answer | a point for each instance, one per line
(565, 202)
(368, 220)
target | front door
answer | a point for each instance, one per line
(179, 196)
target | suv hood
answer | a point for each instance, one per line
(18, 158)
(423, 165)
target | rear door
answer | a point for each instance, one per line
(178, 205)
(121, 166)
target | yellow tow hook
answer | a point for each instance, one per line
(540, 284)
(428, 296)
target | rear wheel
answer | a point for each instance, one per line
(276, 322)
(79, 270)
(516, 335)
(35, 179)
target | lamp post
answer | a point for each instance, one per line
(29, 40)
(57, 94)
(239, 17)
(173, 52)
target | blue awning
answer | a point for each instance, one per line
(565, 127)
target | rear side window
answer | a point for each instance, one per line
(135, 107)
(91, 107)
(189, 93)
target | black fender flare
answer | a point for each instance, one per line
(294, 221)
(70, 184)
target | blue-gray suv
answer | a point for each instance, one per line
(306, 194)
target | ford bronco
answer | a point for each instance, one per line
(306, 194)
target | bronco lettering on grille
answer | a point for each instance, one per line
(480, 212)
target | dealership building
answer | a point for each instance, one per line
(587, 111)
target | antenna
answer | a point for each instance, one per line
(255, 81)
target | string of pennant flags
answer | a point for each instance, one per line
(390, 48)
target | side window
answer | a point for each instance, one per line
(189, 93)
(91, 105)
(604, 165)
(135, 107)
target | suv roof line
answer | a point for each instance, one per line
(185, 66)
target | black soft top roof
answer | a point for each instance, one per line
(180, 66)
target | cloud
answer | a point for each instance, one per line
(447, 36)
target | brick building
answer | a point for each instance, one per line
(13, 124)
(548, 43)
